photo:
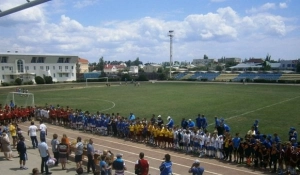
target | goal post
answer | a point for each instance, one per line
(20, 99)
(86, 80)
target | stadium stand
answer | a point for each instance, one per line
(226, 77)
(252, 76)
(209, 76)
(290, 77)
(180, 75)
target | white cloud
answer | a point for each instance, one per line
(283, 5)
(216, 34)
(84, 3)
(263, 8)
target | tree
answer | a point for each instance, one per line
(218, 68)
(298, 67)
(142, 77)
(101, 64)
(126, 77)
(18, 81)
(160, 70)
(103, 74)
(205, 57)
(128, 63)
(230, 64)
(48, 80)
(39, 80)
(136, 62)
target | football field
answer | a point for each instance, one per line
(275, 106)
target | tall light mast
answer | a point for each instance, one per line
(171, 35)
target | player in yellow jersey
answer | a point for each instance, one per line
(131, 131)
(171, 140)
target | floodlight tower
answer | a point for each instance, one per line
(171, 35)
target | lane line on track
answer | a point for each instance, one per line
(87, 159)
(98, 138)
(235, 116)
(210, 172)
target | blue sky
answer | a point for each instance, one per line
(127, 29)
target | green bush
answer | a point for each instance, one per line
(204, 79)
(162, 76)
(18, 81)
(5, 84)
(39, 80)
(142, 77)
(48, 80)
(126, 76)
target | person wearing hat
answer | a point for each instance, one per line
(160, 121)
(119, 165)
(196, 169)
(170, 123)
(166, 166)
(191, 123)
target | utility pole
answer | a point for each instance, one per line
(171, 35)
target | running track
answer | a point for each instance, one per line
(130, 151)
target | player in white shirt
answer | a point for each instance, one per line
(32, 133)
(202, 144)
(186, 140)
(213, 145)
(43, 130)
(220, 142)
(207, 143)
(175, 139)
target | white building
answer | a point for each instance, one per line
(202, 61)
(289, 64)
(151, 68)
(134, 69)
(28, 66)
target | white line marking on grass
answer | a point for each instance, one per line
(114, 104)
(258, 109)
(214, 164)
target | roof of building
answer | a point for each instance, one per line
(82, 60)
(36, 54)
(255, 60)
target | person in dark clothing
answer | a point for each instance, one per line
(160, 121)
(21, 148)
(184, 123)
(153, 120)
(220, 129)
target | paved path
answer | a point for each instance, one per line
(130, 150)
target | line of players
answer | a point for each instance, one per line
(12, 113)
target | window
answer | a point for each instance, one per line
(283, 65)
(33, 60)
(66, 67)
(33, 67)
(41, 67)
(60, 60)
(72, 67)
(293, 65)
(72, 74)
(20, 66)
(26, 67)
(11, 77)
(2, 67)
(59, 67)
(53, 67)
(60, 75)
(67, 75)
(53, 75)
(47, 68)
(3, 59)
(288, 65)
(67, 60)
(41, 60)
(3, 77)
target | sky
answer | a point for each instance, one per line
(128, 29)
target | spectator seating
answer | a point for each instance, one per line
(252, 76)
(290, 77)
(179, 75)
(226, 77)
(209, 76)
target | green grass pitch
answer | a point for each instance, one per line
(275, 106)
